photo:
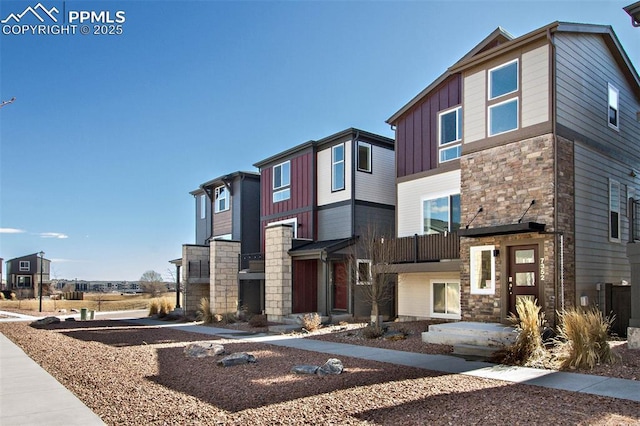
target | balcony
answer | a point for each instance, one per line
(198, 269)
(425, 248)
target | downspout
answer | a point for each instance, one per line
(354, 171)
(558, 237)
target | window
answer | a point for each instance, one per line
(503, 116)
(613, 107)
(24, 281)
(364, 271)
(445, 299)
(441, 214)
(364, 157)
(25, 265)
(281, 181)
(222, 199)
(337, 167)
(292, 221)
(483, 270)
(203, 206)
(450, 134)
(614, 210)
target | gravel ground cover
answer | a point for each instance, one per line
(131, 375)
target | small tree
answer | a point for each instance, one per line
(371, 265)
(151, 282)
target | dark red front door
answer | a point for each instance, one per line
(305, 286)
(340, 286)
(523, 274)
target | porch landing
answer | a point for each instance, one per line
(489, 335)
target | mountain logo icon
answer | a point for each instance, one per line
(38, 11)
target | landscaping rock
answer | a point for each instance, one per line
(305, 369)
(203, 349)
(43, 322)
(237, 358)
(332, 366)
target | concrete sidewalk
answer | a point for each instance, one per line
(23, 382)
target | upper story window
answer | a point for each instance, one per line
(441, 214)
(503, 114)
(614, 211)
(337, 167)
(613, 107)
(364, 157)
(203, 206)
(222, 199)
(364, 271)
(450, 134)
(25, 265)
(281, 181)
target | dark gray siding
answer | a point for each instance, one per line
(334, 222)
(249, 221)
(203, 225)
(584, 67)
(382, 218)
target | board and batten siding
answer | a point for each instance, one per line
(584, 68)
(301, 179)
(535, 86)
(417, 129)
(325, 195)
(378, 186)
(414, 292)
(413, 192)
(597, 258)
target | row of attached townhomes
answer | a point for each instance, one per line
(513, 175)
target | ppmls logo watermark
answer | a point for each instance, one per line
(42, 20)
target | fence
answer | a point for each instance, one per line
(425, 248)
(198, 269)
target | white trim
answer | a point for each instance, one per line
(369, 156)
(370, 278)
(335, 163)
(491, 287)
(431, 299)
(612, 89)
(491, 107)
(26, 267)
(221, 189)
(614, 183)
(506, 64)
(222, 237)
(282, 192)
(291, 221)
(203, 206)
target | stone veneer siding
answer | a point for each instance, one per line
(223, 284)
(278, 270)
(195, 288)
(504, 180)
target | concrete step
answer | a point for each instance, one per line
(470, 333)
(473, 351)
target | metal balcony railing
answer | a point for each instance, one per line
(251, 262)
(198, 269)
(425, 248)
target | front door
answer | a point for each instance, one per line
(340, 286)
(523, 279)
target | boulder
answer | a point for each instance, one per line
(305, 369)
(332, 366)
(394, 335)
(237, 358)
(43, 322)
(203, 349)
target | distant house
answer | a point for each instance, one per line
(327, 191)
(23, 275)
(226, 208)
(514, 169)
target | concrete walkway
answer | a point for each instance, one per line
(58, 406)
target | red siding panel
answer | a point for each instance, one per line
(417, 129)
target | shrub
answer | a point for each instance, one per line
(204, 313)
(371, 332)
(583, 338)
(13, 296)
(311, 322)
(160, 306)
(154, 307)
(2, 296)
(528, 348)
(258, 321)
(227, 318)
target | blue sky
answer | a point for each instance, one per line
(109, 133)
